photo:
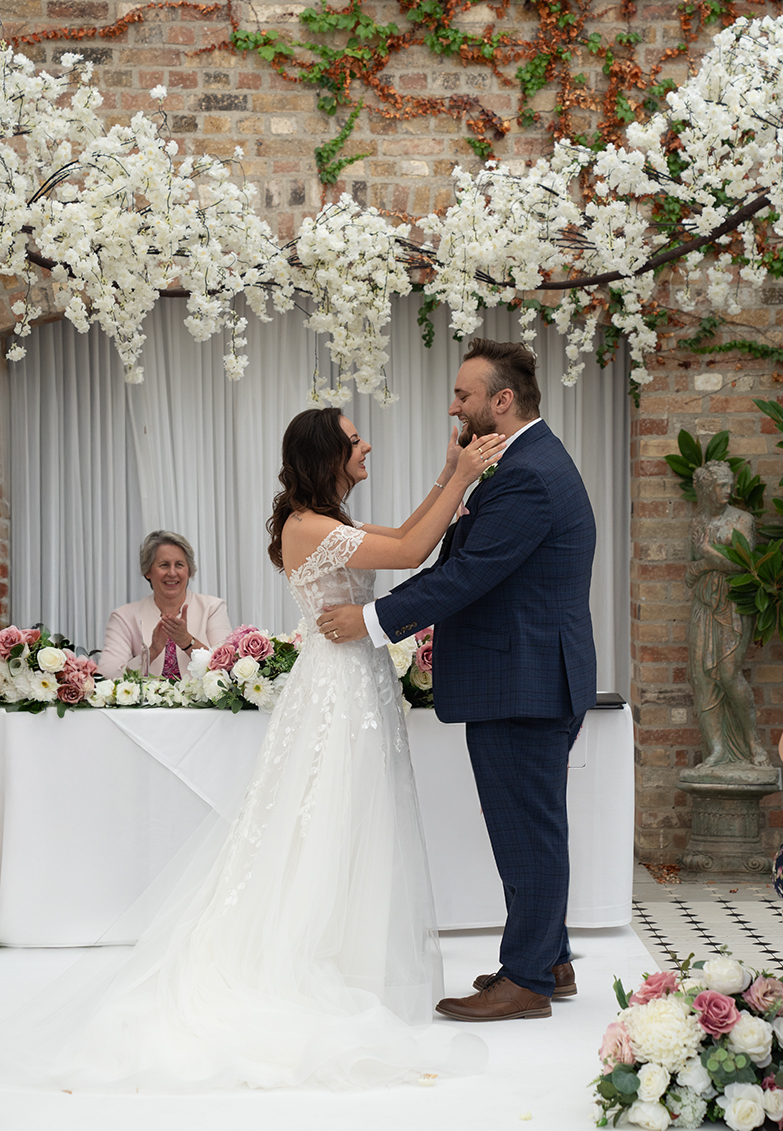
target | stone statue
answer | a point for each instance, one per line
(719, 636)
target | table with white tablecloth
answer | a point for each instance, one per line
(93, 806)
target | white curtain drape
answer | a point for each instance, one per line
(95, 464)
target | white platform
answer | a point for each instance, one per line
(96, 803)
(542, 1067)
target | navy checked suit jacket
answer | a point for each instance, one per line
(510, 596)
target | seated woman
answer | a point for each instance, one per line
(159, 632)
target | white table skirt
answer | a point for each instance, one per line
(94, 805)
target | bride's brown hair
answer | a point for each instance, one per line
(316, 450)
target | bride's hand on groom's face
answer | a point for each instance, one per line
(481, 453)
(342, 623)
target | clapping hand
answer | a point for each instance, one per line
(175, 627)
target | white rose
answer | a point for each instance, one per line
(726, 975)
(420, 679)
(777, 1029)
(199, 658)
(653, 1082)
(104, 689)
(51, 659)
(215, 684)
(126, 693)
(743, 1106)
(650, 1116)
(402, 653)
(753, 1036)
(773, 1104)
(696, 1077)
(244, 669)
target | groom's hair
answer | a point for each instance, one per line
(514, 368)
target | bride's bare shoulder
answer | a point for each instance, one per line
(302, 534)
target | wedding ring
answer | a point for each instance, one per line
(481, 451)
(334, 634)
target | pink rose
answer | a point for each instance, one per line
(764, 994)
(719, 1014)
(9, 638)
(77, 677)
(31, 635)
(424, 657)
(615, 1047)
(657, 985)
(425, 635)
(255, 644)
(70, 692)
(85, 664)
(223, 658)
(234, 637)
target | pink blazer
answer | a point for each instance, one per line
(133, 624)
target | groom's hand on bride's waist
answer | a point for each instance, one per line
(342, 623)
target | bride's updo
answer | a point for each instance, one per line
(316, 450)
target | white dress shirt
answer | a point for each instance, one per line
(371, 622)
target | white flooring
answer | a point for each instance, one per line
(539, 1071)
(538, 1075)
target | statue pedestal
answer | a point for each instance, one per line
(725, 819)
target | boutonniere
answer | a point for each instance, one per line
(486, 474)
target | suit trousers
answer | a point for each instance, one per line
(521, 769)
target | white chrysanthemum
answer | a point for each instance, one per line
(665, 1031)
(42, 686)
(260, 693)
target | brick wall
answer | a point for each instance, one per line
(218, 99)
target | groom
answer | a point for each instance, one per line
(513, 658)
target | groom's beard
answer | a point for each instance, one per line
(482, 424)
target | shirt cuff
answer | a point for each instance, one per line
(373, 626)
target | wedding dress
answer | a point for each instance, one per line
(307, 953)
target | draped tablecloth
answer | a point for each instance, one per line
(95, 804)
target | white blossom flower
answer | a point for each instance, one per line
(126, 693)
(688, 1107)
(258, 691)
(199, 660)
(42, 686)
(158, 92)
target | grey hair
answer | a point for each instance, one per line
(153, 542)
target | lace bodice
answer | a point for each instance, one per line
(325, 579)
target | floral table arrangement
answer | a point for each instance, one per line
(705, 1043)
(249, 669)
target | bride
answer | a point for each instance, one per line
(304, 950)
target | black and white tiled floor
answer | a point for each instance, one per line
(702, 917)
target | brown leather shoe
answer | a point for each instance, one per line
(500, 999)
(565, 980)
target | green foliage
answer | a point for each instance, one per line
(429, 304)
(726, 1067)
(267, 44)
(691, 456)
(620, 994)
(480, 146)
(533, 76)
(329, 169)
(704, 331)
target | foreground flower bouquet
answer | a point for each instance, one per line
(39, 669)
(412, 659)
(705, 1043)
(248, 670)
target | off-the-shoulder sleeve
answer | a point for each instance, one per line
(333, 552)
